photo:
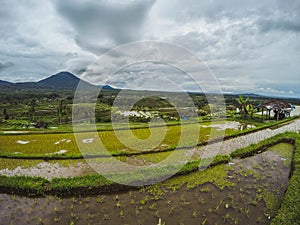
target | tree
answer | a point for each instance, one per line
(62, 111)
(243, 105)
(32, 109)
(6, 116)
(251, 110)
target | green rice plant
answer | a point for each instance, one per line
(171, 210)
(195, 214)
(217, 175)
(157, 213)
(152, 206)
(100, 199)
(121, 214)
(247, 211)
(56, 210)
(40, 221)
(118, 204)
(201, 201)
(136, 211)
(32, 146)
(28, 184)
(90, 216)
(143, 201)
(226, 217)
(263, 145)
(49, 145)
(106, 217)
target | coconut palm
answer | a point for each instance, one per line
(251, 110)
(243, 105)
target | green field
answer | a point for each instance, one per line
(236, 187)
(53, 143)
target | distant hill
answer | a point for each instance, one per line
(251, 95)
(27, 85)
(63, 81)
(5, 84)
(106, 87)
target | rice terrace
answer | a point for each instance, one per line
(149, 112)
(46, 179)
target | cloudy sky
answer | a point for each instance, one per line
(250, 46)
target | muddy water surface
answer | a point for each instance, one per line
(246, 191)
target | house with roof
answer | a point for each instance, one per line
(278, 109)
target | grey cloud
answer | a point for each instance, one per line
(255, 41)
(78, 65)
(188, 10)
(5, 65)
(71, 54)
(195, 41)
(35, 38)
(150, 67)
(266, 25)
(291, 7)
(101, 25)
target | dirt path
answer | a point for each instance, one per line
(228, 146)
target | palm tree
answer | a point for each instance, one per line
(243, 105)
(251, 110)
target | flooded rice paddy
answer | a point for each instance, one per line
(69, 168)
(245, 191)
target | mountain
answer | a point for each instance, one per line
(63, 81)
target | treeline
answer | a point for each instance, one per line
(56, 107)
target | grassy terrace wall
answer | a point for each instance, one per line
(289, 213)
(95, 184)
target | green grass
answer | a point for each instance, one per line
(263, 145)
(213, 174)
(11, 164)
(42, 146)
(289, 213)
(218, 175)
(82, 181)
(66, 185)
(282, 149)
(32, 185)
